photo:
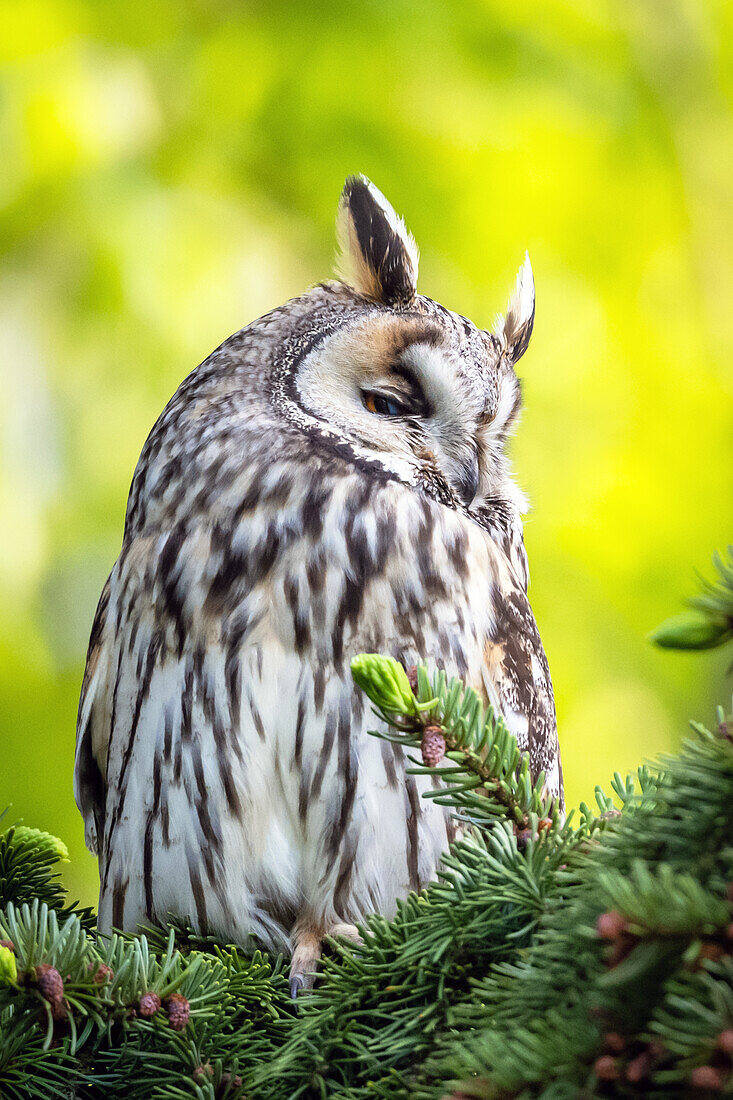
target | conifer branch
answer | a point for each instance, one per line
(709, 622)
(550, 959)
(483, 775)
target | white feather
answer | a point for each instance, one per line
(520, 309)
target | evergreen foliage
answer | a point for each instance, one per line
(552, 959)
(709, 622)
(28, 860)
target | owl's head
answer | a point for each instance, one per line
(400, 382)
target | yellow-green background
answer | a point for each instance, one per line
(168, 171)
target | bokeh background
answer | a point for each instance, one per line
(170, 170)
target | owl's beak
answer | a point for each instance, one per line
(467, 479)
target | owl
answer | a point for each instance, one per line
(331, 480)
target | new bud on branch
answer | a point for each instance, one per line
(45, 844)
(693, 630)
(385, 682)
(709, 622)
(8, 967)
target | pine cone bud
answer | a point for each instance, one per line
(433, 746)
(725, 1041)
(178, 1010)
(412, 678)
(8, 966)
(709, 952)
(620, 950)
(50, 983)
(707, 1077)
(611, 925)
(102, 973)
(605, 1068)
(149, 1005)
(228, 1081)
(638, 1068)
(614, 1041)
(203, 1073)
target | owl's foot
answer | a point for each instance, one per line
(307, 948)
(304, 963)
(347, 931)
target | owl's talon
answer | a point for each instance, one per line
(306, 954)
(300, 981)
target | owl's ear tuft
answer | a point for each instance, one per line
(377, 255)
(515, 328)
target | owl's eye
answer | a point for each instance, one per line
(384, 406)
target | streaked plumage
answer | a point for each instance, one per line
(276, 526)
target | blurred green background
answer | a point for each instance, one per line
(171, 170)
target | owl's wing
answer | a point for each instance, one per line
(516, 673)
(517, 555)
(91, 735)
(503, 525)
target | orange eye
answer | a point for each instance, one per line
(383, 406)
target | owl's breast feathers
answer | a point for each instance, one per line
(315, 561)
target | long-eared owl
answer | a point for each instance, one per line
(331, 480)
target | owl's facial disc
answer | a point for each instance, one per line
(410, 385)
(395, 389)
